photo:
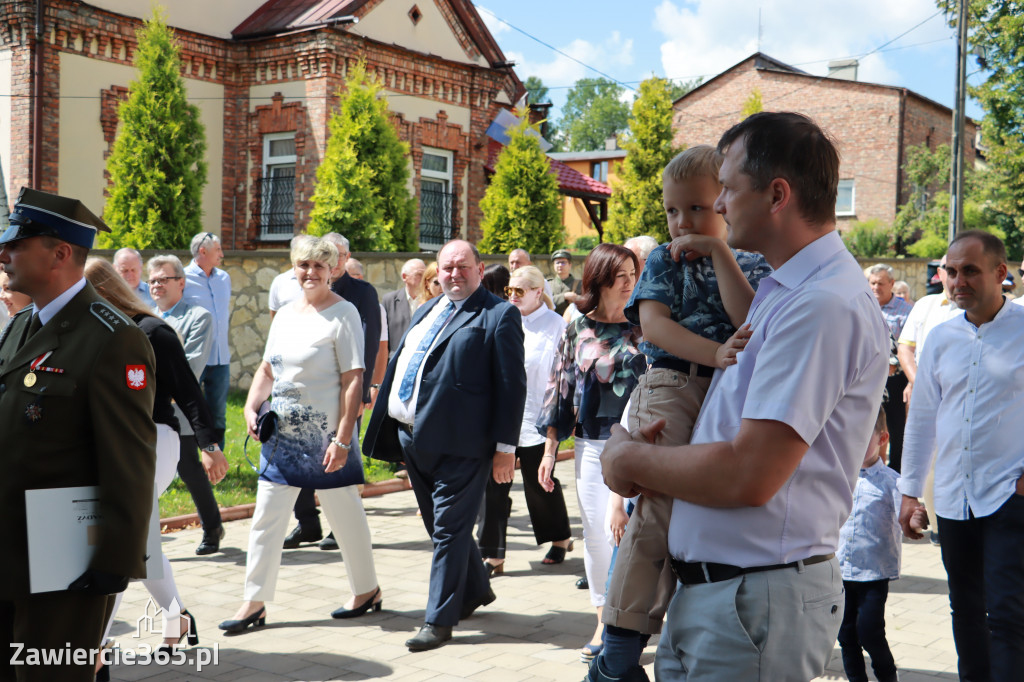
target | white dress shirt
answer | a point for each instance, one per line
(283, 290)
(50, 310)
(817, 361)
(542, 331)
(968, 401)
(405, 411)
(929, 312)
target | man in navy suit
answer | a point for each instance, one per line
(452, 403)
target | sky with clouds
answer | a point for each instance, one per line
(904, 43)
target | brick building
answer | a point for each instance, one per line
(873, 124)
(264, 74)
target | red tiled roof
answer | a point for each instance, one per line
(285, 15)
(570, 181)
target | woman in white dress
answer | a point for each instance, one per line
(312, 372)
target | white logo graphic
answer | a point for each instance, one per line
(151, 622)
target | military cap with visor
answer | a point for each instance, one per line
(561, 253)
(42, 214)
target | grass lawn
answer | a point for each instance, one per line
(239, 486)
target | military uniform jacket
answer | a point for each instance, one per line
(83, 418)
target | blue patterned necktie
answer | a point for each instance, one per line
(405, 390)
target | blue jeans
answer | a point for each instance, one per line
(215, 381)
(984, 561)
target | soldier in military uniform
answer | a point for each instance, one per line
(565, 289)
(76, 405)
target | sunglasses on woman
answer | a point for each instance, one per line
(518, 292)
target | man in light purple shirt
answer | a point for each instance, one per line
(768, 479)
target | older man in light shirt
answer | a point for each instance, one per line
(195, 327)
(967, 407)
(128, 263)
(768, 479)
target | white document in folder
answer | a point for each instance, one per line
(63, 530)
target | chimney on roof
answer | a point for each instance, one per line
(611, 143)
(844, 69)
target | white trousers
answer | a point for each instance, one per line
(344, 511)
(592, 496)
(163, 590)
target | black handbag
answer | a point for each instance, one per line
(266, 427)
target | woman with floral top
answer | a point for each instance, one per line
(594, 372)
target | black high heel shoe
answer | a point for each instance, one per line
(191, 632)
(361, 609)
(258, 619)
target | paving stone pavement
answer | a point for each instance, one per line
(532, 631)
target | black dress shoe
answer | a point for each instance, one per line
(361, 609)
(302, 534)
(429, 637)
(329, 543)
(583, 584)
(211, 542)
(469, 607)
(256, 620)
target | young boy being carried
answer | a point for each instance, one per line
(693, 295)
(870, 544)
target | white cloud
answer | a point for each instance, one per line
(705, 37)
(610, 56)
(494, 25)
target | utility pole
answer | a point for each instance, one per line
(956, 184)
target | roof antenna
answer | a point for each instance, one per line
(760, 29)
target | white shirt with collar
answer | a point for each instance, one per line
(50, 310)
(817, 361)
(928, 312)
(967, 402)
(405, 411)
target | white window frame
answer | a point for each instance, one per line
(448, 178)
(853, 198)
(269, 164)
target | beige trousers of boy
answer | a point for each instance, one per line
(642, 581)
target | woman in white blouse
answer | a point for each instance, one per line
(312, 371)
(542, 330)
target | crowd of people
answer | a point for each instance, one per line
(754, 418)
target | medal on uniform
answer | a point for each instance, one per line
(37, 366)
(30, 379)
(34, 412)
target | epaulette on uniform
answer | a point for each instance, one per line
(110, 317)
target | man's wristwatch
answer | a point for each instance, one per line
(343, 446)
(211, 448)
(376, 386)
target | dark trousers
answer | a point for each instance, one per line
(547, 510)
(55, 621)
(215, 382)
(895, 418)
(449, 495)
(984, 562)
(191, 471)
(863, 628)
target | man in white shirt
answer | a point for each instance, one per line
(285, 287)
(967, 407)
(768, 478)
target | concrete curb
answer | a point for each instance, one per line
(245, 511)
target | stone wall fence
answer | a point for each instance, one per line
(253, 271)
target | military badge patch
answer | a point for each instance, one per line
(135, 376)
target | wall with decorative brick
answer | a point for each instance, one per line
(873, 126)
(253, 271)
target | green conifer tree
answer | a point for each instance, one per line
(157, 170)
(361, 185)
(636, 204)
(522, 208)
